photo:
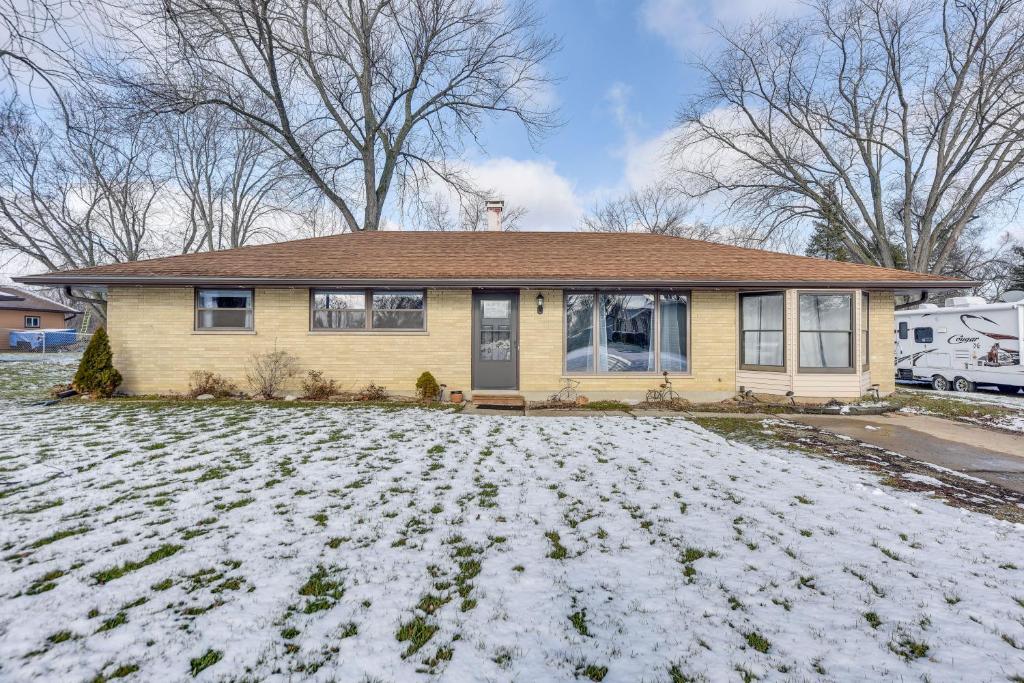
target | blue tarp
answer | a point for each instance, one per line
(36, 339)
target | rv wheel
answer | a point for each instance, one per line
(940, 383)
(1007, 389)
(963, 384)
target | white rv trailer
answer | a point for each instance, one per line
(962, 344)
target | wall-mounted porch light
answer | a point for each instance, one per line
(540, 304)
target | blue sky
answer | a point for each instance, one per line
(622, 77)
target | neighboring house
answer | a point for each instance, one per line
(20, 310)
(509, 312)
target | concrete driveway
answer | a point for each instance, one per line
(983, 453)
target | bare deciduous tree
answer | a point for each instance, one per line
(229, 182)
(78, 197)
(657, 208)
(361, 95)
(36, 44)
(912, 112)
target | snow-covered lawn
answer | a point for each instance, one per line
(1003, 411)
(252, 542)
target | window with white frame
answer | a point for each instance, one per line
(622, 332)
(224, 309)
(826, 332)
(762, 331)
(31, 322)
(368, 310)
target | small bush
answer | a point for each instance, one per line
(267, 372)
(427, 387)
(96, 374)
(205, 382)
(373, 392)
(317, 387)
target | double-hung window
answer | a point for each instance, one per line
(368, 310)
(31, 322)
(613, 332)
(826, 332)
(224, 309)
(762, 331)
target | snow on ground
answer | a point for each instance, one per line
(1012, 421)
(256, 542)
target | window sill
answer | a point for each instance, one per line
(216, 332)
(827, 371)
(777, 369)
(368, 333)
(626, 375)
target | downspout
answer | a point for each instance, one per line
(915, 302)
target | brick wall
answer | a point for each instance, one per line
(156, 349)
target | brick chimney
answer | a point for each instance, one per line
(494, 209)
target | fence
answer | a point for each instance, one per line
(49, 341)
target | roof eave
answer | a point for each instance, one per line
(461, 283)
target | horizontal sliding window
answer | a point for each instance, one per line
(368, 310)
(826, 331)
(762, 330)
(398, 310)
(224, 309)
(339, 310)
(623, 332)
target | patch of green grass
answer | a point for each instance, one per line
(592, 671)
(758, 642)
(289, 633)
(45, 583)
(160, 553)
(608, 405)
(60, 637)
(873, 619)
(322, 590)
(558, 551)
(122, 671)
(430, 603)
(908, 648)
(417, 633)
(350, 629)
(676, 675)
(113, 622)
(579, 622)
(63, 533)
(204, 661)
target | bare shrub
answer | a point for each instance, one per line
(373, 392)
(205, 382)
(317, 387)
(267, 372)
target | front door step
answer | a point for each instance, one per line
(511, 401)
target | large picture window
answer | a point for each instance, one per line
(368, 310)
(224, 309)
(622, 332)
(826, 331)
(762, 331)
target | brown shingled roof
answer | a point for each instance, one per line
(495, 258)
(15, 299)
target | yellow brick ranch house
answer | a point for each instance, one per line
(512, 312)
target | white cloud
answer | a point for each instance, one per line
(687, 25)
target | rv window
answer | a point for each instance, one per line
(923, 335)
(904, 328)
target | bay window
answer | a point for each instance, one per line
(762, 331)
(624, 332)
(826, 332)
(224, 309)
(361, 310)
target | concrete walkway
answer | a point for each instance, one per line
(983, 453)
